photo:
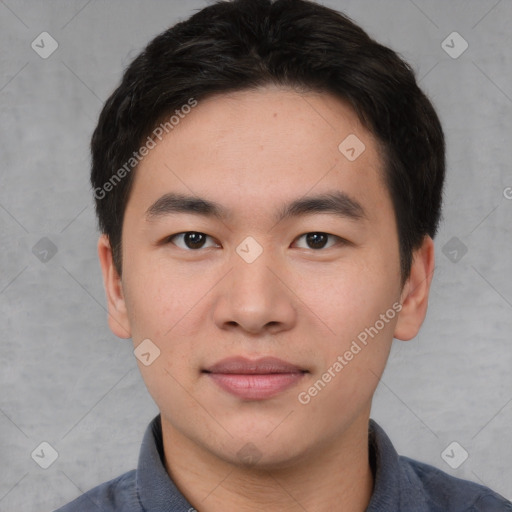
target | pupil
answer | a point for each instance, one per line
(316, 240)
(194, 240)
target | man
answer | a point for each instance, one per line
(268, 183)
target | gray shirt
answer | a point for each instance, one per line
(401, 484)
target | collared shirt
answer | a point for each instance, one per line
(400, 484)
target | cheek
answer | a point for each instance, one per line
(349, 296)
(160, 305)
(355, 301)
(160, 298)
(352, 359)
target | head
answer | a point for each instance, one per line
(246, 109)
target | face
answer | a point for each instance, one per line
(315, 284)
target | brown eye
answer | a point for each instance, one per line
(189, 240)
(318, 240)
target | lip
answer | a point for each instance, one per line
(257, 379)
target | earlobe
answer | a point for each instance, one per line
(117, 313)
(416, 291)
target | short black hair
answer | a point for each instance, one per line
(246, 44)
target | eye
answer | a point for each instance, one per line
(191, 240)
(318, 240)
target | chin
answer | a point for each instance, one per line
(258, 452)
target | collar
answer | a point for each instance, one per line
(155, 489)
(157, 492)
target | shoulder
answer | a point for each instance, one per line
(448, 493)
(119, 494)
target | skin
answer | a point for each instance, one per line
(253, 151)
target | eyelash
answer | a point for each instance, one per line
(340, 240)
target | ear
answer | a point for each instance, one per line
(117, 313)
(414, 297)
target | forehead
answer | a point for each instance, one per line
(253, 150)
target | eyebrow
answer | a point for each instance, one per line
(337, 203)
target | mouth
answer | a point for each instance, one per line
(258, 379)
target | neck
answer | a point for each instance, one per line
(334, 476)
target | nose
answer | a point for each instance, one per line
(255, 298)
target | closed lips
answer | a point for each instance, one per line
(262, 366)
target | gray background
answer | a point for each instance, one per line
(65, 379)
